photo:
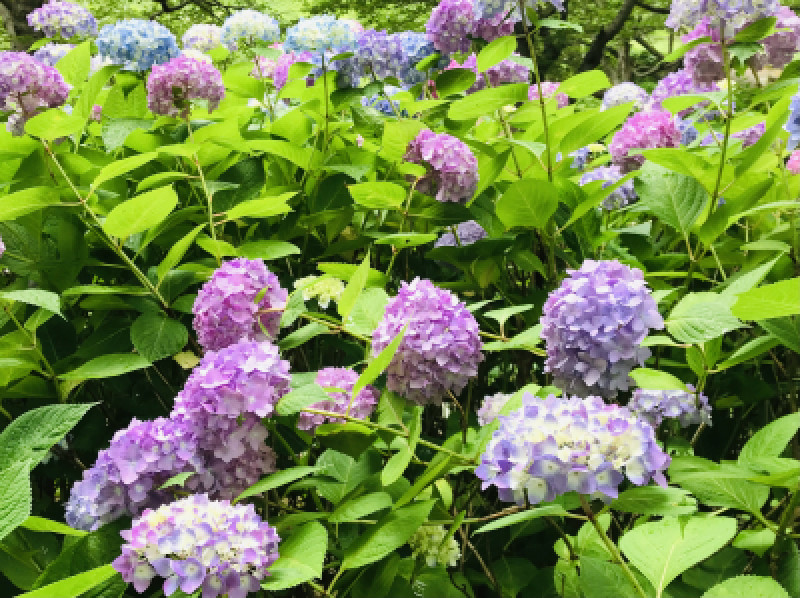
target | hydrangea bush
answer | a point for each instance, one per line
(312, 308)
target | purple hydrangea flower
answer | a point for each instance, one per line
(580, 158)
(643, 130)
(26, 87)
(454, 168)
(63, 19)
(704, 61)
(623, 93)
(687, 407)
(278, 69)
(621, 196)
(50, 54)
(792, 125)
(733, 13)
(137, 44)
(677, 84)
(491, 407)
(172, 86)
(198, 544)
(748, 136)
(556, 445)
(593, 326)
(792, 165)
(377, 53)
(225, 310)
(344, 379)
(416, 47)
(2, 247)
(450, 24)
(249, 25)
(508, 71)
(491, 28)
(780, 47)
(202, 37)
(441, 348)
(688, 131)
(549, 90)
(468, 233)
(245, 377)
(491, 8)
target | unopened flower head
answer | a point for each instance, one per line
(174, 85)
(136, 44)
(593, 326)
(28, 86)
(441, 348)
(249, 26)
(226, 310)
(63, 20)
(454, 168)
(624, 93)
(195, 543)
(428, 543)
(341, 399)
(203, 37)
(549, 90)
(687, 406)
(621, 196)
(468, 232)
(644, 130)
(322, 288)
(552, 446)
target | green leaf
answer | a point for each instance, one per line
(361, 506)
(261, 208)
(757, 541)
(787, 330)
(268, 250)
(772, 439)
(390, 533)
(751, 586)
(396, 464)
(176, 252)
(662, 550)
(584, 84)
(528, 203)
(301, 156)
(378, 364)
(31, 435)
(349, 296)
(600, 579)
(40, 298)
(676, 199)
(302, 335)
(141, 213)
(501, 316)
(40, 524)
(496, 52)
(120, 167)
(156, 336)
(597, 127)
(655, 500)
(701, 317)
(295, 400)
(378, 196)
(107, 366)
(756, 31)
(401, 240)
(656, 380)
(726, 489)
(278, 479)
(15, 500)
(528, 515)
(159, 180)
(26, 201)
(74, 586)
(487, 101)
(177, 480)
(76, 64)
(53, 124)
(750, 350)
(301, 558)
(453, 81)
(396, 137)
(769, 301)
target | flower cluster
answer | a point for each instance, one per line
(491, 407)
(319, 35)
(549, 90)
(621, 196)
(386, 105)
(677, 84)
(593, 326)
(342, 379)
(173, 85)
(379, 54)
(63, 19)
(793, 163)
(687, 407)
(428, 542)
(468, 233)
(249, 25)
(196, 543)
(704, 61)
(322, 288)
(225, 309)
(50, 54)
(508, 71)
(792, 125)
(781, 46)
(748, 136)
(623, 93)
(643, 130)
(441, 348)
(2, 247)
(137, 44)
(416, 47)
(556, 445)
(450, 24)
(203, 37)
(454, 174)
(27, 86)
(733, 13)
(491, 8)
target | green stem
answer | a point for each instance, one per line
(35, 346)
(728, 118)
(209, 200)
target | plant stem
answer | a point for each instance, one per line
(728, 118)
(209, 201)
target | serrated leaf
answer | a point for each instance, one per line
(156, 336)
(676, 199)
(496, 52)
(701, 317)
(26, 201)
(360, 507)
(772, 439)
(656, 380)
(296, 400)
(381, 195)
(15, 500)
(528, 203)
(655, 500)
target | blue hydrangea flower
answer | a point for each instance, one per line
(688, 407)
(137, 44)
(319, 35)
(50, 54)
(733, 13)
(468, 233)
(250, 25)
(381, 104)
(416, 47)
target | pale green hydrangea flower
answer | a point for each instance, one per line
(323, 288)
(427, 543)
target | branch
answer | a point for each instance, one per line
(651, 8)
(648, 46)
(595, 54)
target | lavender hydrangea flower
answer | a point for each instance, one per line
(50, 54)
(733, 13)
(63, 19)
(203, 37)
(593, 326)
(468, 233)
(377, 53)
(491, 407)
(249, 25)
(26, 87)
(450, 24)
(677, 84)
(441, 348)
(623, 93)
(748, 136)
(343, 379)
(688, 131)
(491, 28)
(173, 85)
(195, 543)
(621, 196)
(319, 35)
(137, 44)
(704, 61)
(508, 71)
(225, 310)
(555, 445)
(454, 168)
(781, 46)
(793, 163)
(689, 408)
(491, 8)
(279, 69)
(647, 129)
(2, 247)
(549, 90)
(792, 125)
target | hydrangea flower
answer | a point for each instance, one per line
(50, 54)
(450, 24)
(491, 407)
(203, 37)
(319, 35)
(63, 19)
(322, 288)
(490, 28)
(427, 542)
(344, 379)
(705, 61)
(552, 446)
(225, 310)
(380, 103)
(172, 86)
(621, 196)
(781, 46)
(688, 131)
(26, 87)
(793, 163)
(733, 13)
(249, 25)
(549, 90)
(508, 71)
(792, 125)
(468, 233)
(441, 348)
(416, 47)
(677, 84)
(196, 543)
(454, 168)
(647, 129)
(747, 136)
(623, 93)
(491, 8)
(688, 408)
(377, 53)
(278, 69)
(137, 44)
(593, 326)
(2, 247)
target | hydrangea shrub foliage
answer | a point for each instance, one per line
(328, 310)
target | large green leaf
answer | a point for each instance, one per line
(156, 336)
(141, 213)
(53, 124)
(380, 195)
(360, 507)
(655, 500)
(751, 586)
(769, 301)
(38, 297)
(107, 366)
(515, 518)
(301, 557)
(495, 52)
(278, 479)
(676, 199)
(76, 64)
(74, 586)
(15, 499)
(528, 203)
(120, 167)
(299, 398)
(701, 317)
(772, 439)
(487, 101)
(19, 203)
(584, 84)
